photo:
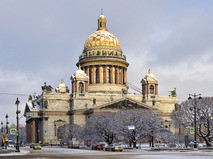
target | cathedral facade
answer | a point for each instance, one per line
(99, 85)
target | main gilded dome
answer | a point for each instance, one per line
(102, 37)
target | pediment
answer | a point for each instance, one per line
(124, 103)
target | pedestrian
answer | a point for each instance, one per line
(6, 141)
(2, 142)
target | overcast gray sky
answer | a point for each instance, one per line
(41, 40)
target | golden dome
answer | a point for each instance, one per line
(102, 37)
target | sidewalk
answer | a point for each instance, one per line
(6, 151)
(11, 152)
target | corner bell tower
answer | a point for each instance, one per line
(79, 83)
(149, 86)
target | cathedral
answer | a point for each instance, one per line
(98, 86)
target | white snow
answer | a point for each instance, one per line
(22, 152)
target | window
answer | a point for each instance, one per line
(151, 89)
(94, 101)
(81, 87)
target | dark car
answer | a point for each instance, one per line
(32, 145)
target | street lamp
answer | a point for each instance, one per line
(195, 115)
(6, 123)
(17, 126)
(1, 127)
(152, 138)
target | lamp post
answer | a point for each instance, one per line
(17, 126)
(6, 123)
(1, 127)
(195, 115)
(152, 138)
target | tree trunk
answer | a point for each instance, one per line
(130, 143)
(208, 143)
(134, 144)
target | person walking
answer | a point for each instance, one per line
(5, 141)
(2, 141)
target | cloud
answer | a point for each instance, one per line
(40, 41)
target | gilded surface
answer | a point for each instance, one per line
(102, 37)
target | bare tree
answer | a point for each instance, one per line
(184, 115)
(132, 124)
(137, 124)
(101, 127)
(69, 131)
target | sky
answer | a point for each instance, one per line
(41, 41)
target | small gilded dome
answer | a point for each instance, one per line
(102, 37)
(102, 16)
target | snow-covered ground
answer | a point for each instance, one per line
(130, 154)
(171, 157)
(22, 152)
(176, 155)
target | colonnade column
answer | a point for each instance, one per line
(121, 75)
(113, 75)
(101, 74)
(107, 74)
(106, 79)
(94, 75)
(118, 75)
(87, 70)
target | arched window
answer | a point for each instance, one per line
(151, 89)
(97, 76)
(81, 87)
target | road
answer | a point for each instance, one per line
(64, 153)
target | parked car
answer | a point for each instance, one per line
(191, 144)
(98, 147)
(114, 147)
(74, 144)
(32, 145)
(36, 146)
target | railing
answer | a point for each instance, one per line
(134, 87)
